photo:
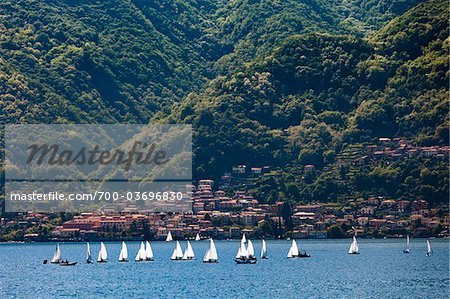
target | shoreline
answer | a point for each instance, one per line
(205, 239)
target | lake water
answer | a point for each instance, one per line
(380, 271)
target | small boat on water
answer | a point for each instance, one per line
(189, 252)
(429, 250)
(177, 254)
(406, 250)
(197, 237)
(88, 253)
(294, 252)
(354, 249)
(141, 256)
(123, 256)
(102, 254)
(148, 252)
(57, 255)
(245, 255)
(264, 250)
(67, 263)
(169, 237)
(211, 254)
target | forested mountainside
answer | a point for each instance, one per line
(279, 83)
(316, 94)
(121, 61)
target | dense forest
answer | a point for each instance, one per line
(279, 83)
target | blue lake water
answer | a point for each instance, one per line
(380, 271)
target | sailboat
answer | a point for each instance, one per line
(353, 247)
(406, 250)
(243, 256)
(123, 256)
(102, 254)
(140, 256)
(294, 252)
(57, 255)
(169, 237)
(211, 254)
(189, 252)
(197, 237)
(88, 253)
(429, 251)
(251, 250)
(148, 251)
(177, 253)
(264, 250)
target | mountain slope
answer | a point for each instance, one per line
(124, 60)
(92, 61)
(306, 100)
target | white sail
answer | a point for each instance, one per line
(207, 256)
(123, 256)
(102, 254)
(243, 239)
(243, 252)
(211, 253)
(177, 252)
(57, 255)
(189, 252)
(354, 246)
(88, 253)
(293, 251)
(429, 251)
(407, 243)
(212, 250)
(250, 249)
(238, 254)
(169, 237)
(197, 237)
(140, 256)
(263, 249)
(148, 251)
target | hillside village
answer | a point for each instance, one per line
(215, 214)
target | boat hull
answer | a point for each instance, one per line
(301, 255)
(68, 264)
(210, 262)
(353, 253)
(245, 261)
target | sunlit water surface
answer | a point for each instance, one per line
(382, 270)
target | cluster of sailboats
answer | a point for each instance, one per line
(245, 253)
